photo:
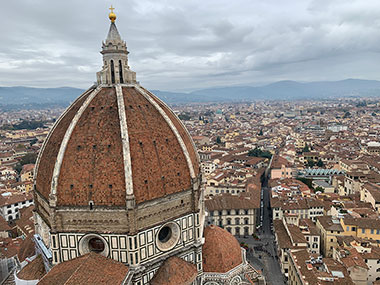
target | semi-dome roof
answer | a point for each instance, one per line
(175, 271)
(221, 250)
(112, 142)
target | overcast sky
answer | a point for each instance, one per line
(191, 44)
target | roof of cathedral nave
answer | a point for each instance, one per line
(116, 139)
(91, 268)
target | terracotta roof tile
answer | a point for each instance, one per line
(228, 201)
(34, 270)
(221, 250)
(89, 165)
(4, 225)
(91, 268)
(159, 165)
(51, 148)
(93, 166)
(27, 249)
(182, 131)
(175, 271)
(15, 197)
(283, 238)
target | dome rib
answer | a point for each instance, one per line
(63, 116)
(172, 127)
(66, 138)
(125, 141)
(178, 124)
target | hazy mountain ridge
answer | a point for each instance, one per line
(20, 95)
(283, 90)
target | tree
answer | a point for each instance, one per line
(306, 149)
(261, 132)
(320, 163)
(29, 158)
(209, 113)
(32, 142)
(319, 189)
(218, 140)
(256, 152)
(347, 115)
(307, 181)
(184, 117)
(29, 125)
(18, 168)
(266, 154)
(361, 104)
(310, 162)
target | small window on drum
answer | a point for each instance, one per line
(165, 234)
(96, 245)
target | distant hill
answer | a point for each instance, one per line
(28, 95)
(282, 90)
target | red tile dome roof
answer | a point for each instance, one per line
(113, 142)
(221, 250)
(175, 271)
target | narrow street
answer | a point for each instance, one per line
(264, 255)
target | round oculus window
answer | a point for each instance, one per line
(164, 234)
(96, 245)
(93, 243)
(168, 236)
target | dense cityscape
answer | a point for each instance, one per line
(218, 143)
(298, 183)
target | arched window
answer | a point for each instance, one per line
(237, 221)
(112, 72)
(121, 72)
(246, 221)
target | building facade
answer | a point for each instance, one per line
(12, 203)
(238, 215)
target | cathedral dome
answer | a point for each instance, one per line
(119, 175)
(116, 143)
(113, 142)
(221, 250)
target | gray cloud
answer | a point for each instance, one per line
(185, 45)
